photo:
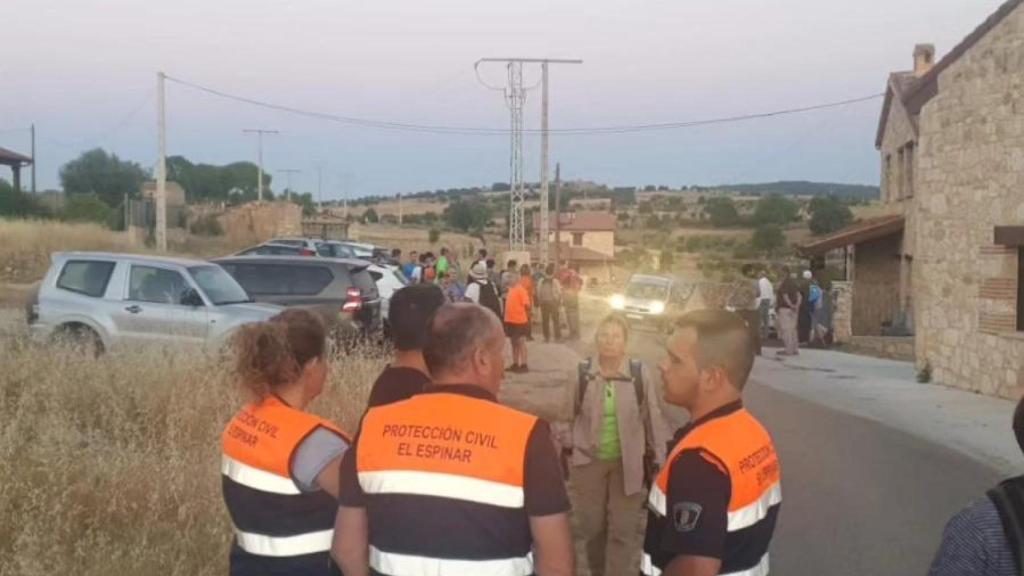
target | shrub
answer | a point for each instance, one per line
(768, 238)
(434, 235)
(87, 208)
(206, 225)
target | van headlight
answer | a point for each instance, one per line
(657, 307)
(618, 302)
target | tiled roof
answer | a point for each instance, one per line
(580, 221)
(870, 229)
(10, 158)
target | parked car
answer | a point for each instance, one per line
(344, 249)
(271, 249)
(389, 279)
(308, 246)
(341, 291)
(650, 300)
(102, 300)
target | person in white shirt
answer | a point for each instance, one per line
(765, 301)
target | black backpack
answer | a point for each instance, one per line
(635, 373)
(1008, 498)
(489, 298)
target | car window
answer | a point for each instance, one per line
(89, 277)
(400, 277)
(362, 279)
(281, 250)
(156, 285)
(376, 275)
(325, 250)
(280, 279)
(647, 290)
(218, 285)
(290, 242)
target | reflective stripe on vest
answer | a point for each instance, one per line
(258, 444)
(648, 568)
(283, 546)
(741, 448)
(439, 452)
(443, 486)
(391, 563)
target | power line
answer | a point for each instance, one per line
(483, 131)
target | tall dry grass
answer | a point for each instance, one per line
(110, 466)
(26, 245)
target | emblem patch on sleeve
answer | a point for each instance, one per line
(686, 515)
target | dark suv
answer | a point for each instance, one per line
(341, 291)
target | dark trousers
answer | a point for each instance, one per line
(572, 315)
(549, 314)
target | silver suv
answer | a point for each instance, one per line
(103, 300)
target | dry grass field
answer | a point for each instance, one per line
(111, 466)
(26, 245)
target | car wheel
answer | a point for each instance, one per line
(80, 339)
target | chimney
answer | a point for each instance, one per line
(924, 59)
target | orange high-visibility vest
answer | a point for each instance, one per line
(443, 473)
(274, 520)
(743, 450)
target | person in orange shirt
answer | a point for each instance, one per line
(517, 321)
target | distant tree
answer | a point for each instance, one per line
(103, 175)
(87, 208)
(675, 202)
(646, 208)
(650, 188)
(777, 210)
(500, 187)
(663, 188)
(370, 215)
(768, 238)
(828, 214)
(434, 235)
(722, 212)
(701, 199)
(467, 215)
(305, 200)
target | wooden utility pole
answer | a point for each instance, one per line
(161, 166)
(33, 129)
(558, 216)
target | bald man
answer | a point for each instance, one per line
(450, 481)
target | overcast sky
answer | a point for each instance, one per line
(84, 72)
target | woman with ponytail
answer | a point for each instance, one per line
(280, 464)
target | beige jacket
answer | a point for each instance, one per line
(639, 426)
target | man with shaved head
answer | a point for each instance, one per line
(714, 504)
(449, 481)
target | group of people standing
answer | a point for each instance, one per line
(801, 308)
(441, 479)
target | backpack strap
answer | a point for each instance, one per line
(1008, 498)
(581, 385)
(636, 372)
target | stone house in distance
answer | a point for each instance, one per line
(951, 143)
(587, 241)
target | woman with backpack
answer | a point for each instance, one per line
(614, 439)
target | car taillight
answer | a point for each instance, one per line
(306, 252)
(353, 300)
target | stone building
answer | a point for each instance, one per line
(945, 263)
(969, 210)
(587, 242)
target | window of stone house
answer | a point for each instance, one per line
(908, 170)
(887, 179)
(1020, 289)
(900, 164)
(577, 238)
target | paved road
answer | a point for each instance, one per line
(858, 497)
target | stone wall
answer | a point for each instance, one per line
(876, 285)
(602, 241)
(842, 317)
(258, 222)
(971, 179)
